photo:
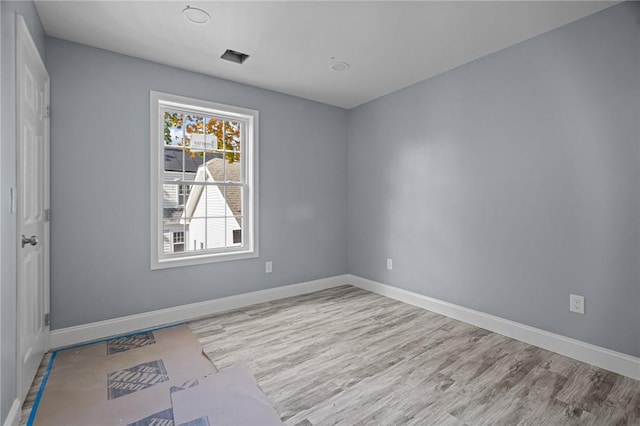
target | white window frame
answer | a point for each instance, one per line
(249, 249)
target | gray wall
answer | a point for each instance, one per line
(7, 181)
(100, 240)
(509, 182)
(502, 185)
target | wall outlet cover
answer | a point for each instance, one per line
(576, 303)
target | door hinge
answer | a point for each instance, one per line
(48, 113)
(47, 215)
(47, 319)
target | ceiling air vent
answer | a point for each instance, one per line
(234, 56)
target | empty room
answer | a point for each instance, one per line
(319, 213)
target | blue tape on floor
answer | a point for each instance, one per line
(36, 403)
(82, 345)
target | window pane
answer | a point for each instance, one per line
(173, 133)
(200, 133)
(187, 145)
(173, 204)
(173, 236)
(233, 168)
(217, 202)
(232, 136)
(233, 199)
(169, 196)
(215, 131)
(204, 233)
(176, 206)
(166, 241)
(215, 167)
(205, 216)
(173, 160)
(216, 233)
(183, 193)
(174, 198)
(234, 226)
(225, 134)
(178, 241)
(193, 165)
(172, 217)
(221, 170)
(209, 215)
(196, 141)
(173, 143)
(200, 200)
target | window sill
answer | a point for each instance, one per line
(177, 262)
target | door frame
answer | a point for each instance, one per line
(1, 188)
(24, 43)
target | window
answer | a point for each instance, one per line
(178, 241)
(203, 181)
(183, 194)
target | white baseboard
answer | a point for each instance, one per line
(13, 418)
(117, 326)
(617, 362)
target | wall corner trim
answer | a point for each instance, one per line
(608, 359)
(102, 329)
(13, 418)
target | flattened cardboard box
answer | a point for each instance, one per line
(126, 381)
(230, 397)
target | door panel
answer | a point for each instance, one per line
(32, 172)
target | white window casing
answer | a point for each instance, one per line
(214, 238)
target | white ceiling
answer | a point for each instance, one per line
(389, 44)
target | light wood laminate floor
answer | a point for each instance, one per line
(345, 356)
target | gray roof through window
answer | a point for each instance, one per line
(174, 158)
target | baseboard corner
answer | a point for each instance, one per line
(617, 362)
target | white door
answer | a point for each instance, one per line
(32, 171)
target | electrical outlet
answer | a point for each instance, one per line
(268, 267)
(389, 264)
(576, 304)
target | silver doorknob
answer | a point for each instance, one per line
(33, 240)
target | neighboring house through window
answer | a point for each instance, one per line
(183, 193)
(178, 241)
(203, 180)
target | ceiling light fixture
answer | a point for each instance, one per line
(195, 15)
